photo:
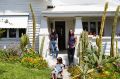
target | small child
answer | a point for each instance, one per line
(58, 68)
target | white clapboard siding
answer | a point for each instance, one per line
(22, 6)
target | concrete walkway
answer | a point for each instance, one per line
(52, 61)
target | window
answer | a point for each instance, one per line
(85, 26)
(99, 24)
(93, 28)
(12, 33)
(22, 31)
(4, 34)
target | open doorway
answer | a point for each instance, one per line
(60, 29)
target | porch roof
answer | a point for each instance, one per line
(79, 10)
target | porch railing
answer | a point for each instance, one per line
(106, 42)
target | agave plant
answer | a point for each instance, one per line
(84, 71)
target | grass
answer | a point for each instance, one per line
(17, 71)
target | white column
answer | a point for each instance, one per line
(44, 33)
(78, 31)
(78, 26)
(44, 26)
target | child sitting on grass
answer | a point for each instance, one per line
(58, 69)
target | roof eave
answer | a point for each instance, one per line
(76, 13)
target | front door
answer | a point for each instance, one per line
(60, 29)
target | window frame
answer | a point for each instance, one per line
(96, 26)
(17, 34)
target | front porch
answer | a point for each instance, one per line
(78, 24)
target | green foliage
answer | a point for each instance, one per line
(83, 45)
(112, 53)
(93, 63)
(110, 67)
(18, 71)
(75, 71)
(1, 32)
(33, 60)
(24, 40)
(34, 26)
(42, 45)
(14, 66)
(9, 55)
(29, 50)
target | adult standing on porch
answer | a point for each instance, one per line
(54, 43)
(71, 47)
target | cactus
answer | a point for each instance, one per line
(34, 27)
(112, 53)
(102, 28)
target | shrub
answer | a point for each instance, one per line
(74, 71)
(30, 50)
(24, 40)
(33, 60)
(10, 54)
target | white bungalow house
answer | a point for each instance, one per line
(61, 15)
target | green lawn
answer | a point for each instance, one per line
(17, 71)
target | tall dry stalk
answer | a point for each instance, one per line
(102, 28)
(34, 26)
(112, 52)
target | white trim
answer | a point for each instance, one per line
(14, 14)
(77, 13)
